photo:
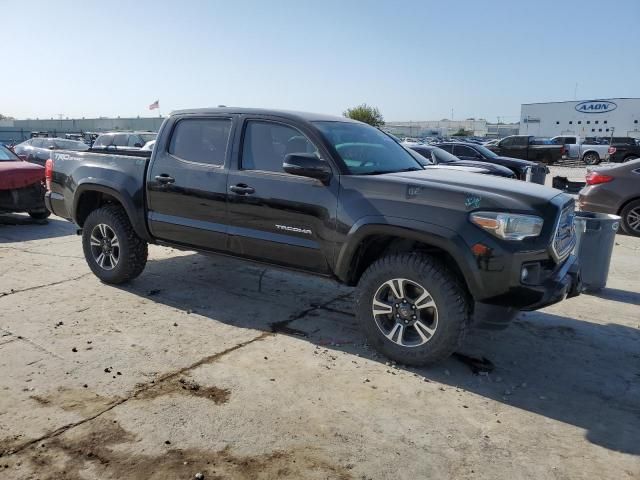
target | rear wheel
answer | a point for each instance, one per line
(631, 218)
(629, 158)
(591, 158)
(112, 249)
(412, 308)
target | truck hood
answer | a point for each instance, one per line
(19, 174)
(474, 191)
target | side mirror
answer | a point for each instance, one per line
(306, 165)
(138, 145)
(52, 147)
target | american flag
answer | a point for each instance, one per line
(155, 104)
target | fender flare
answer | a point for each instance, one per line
(430, 234)
(137, 223)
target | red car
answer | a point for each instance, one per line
(21, 186)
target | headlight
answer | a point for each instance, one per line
(508, 226)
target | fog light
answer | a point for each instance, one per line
(524, 274)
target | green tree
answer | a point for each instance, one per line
(462, 133)
(365, 113)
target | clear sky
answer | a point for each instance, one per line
(415, 60)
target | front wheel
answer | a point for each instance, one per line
(412, 308)
(112, 249)
(39, 214)
(591, 158)
(631, 218)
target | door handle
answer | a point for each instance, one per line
(242, 189)
(164, 178)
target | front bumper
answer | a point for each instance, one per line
(547, 283)
(564, 283)
(25, 199)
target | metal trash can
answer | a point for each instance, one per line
(595, 236)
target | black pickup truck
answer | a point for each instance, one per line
(427, 249)
(528, 147)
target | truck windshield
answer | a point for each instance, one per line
(365, 150)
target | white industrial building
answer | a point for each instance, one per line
(618, 117)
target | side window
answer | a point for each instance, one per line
(446, 148)
(120, 140)
(202, 140)
(103, 141)
(266, 144)
(36, 142)
(520, 141)
(570, 141)
(135, 141)
(464, 151)
(508, 142)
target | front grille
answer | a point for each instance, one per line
(564, 238)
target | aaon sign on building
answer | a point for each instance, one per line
(618, 117)
(596, 106)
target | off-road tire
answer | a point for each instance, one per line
(451, 299)
(591, 158)
(39, 214)
(133, 250)
(625, 214)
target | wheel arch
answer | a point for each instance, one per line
(89, 197)
(370, 239)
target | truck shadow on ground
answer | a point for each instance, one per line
(32, 229)
(573, 371)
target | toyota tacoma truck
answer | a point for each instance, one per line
(528, 147)
(427, 249)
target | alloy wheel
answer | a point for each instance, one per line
(405, 312)
(633, 219)
(105, 246)
(590, 159)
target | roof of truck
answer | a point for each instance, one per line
(291, 114)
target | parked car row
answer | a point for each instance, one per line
(474, 156)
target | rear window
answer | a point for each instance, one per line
(120, 140)
(202, 140)
(70, 145)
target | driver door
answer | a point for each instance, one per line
(275, 216)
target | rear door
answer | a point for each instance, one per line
(275, 216)
(187, 182)
(515, 147)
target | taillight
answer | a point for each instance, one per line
(563, 150)
(612, 150)
(48, 173)
(594, 178)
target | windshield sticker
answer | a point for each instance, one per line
(472, 202)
